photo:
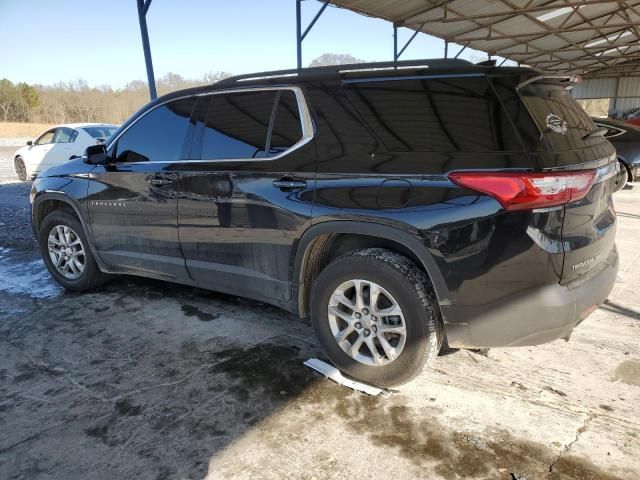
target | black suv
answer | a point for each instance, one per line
(395, 205)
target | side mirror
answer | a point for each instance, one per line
(95, 154)
(29, 142)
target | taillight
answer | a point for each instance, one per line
(524, 191)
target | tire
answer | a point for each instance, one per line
(53, 226)
(21, 169)
(630, 178)
(410, 288)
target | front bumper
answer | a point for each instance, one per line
(537, 316)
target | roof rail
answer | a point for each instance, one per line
(348, 68)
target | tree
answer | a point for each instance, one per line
(334, 59)
(213, 77)
(9, 98)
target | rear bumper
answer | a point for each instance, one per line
(538, 316)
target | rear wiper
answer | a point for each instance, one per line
(598, 132)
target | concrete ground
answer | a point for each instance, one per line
(143, 379)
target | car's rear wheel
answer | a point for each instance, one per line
(21, 169)
(66, 252)
(376, 316)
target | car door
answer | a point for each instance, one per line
(62, 146)
(247, 193)
(132, 199)
(35, 156)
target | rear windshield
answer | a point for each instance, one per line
(561, 119)
(100, 131)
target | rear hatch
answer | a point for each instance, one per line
(571, 141)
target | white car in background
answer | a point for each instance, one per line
(56, 145)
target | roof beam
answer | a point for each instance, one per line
(507, 13)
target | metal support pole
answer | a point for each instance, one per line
(315, 19)
(399, 54)
(461, 50)
(395, 44)
(615, 99)
(143, 7)
(300, 35)
(446, 49)
(299, 32)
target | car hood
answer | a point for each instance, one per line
(72, 167)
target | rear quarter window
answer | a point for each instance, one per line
(435, 114)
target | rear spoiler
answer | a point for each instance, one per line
(568, 79)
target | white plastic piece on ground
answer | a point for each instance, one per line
(332, 373)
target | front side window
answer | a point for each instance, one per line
(65, 135)
(237, 125)
(435, 115)
(46, 137)
(158, 136)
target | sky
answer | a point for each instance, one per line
(45, 42)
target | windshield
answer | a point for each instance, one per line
(558, 115)
(101, 131)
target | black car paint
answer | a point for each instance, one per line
(478, 255)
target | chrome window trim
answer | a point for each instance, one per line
(303, 111)
(619, 132)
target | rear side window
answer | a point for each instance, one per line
(65, 135)
(287, 129)
(237, 125)
(158, 136)
(558, 115)
(100, 131)
(436, 115)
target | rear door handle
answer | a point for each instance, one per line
(289, 184)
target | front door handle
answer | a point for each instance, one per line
(289, 184)
(162, 180)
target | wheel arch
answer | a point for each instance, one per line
(312, 254)
(17, 157)
(49, 201)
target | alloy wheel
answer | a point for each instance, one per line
(367, 322)
(66, 252)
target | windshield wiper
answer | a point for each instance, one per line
(598, 132)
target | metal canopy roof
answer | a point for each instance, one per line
(592, 38)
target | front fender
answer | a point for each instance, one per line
(70, 191)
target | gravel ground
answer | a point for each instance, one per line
(143, 379)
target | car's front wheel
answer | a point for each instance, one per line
(66, 252)
(376, 316)
(21, 169)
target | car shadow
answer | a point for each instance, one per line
(621, 310)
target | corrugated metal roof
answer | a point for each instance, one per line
(589, 37)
